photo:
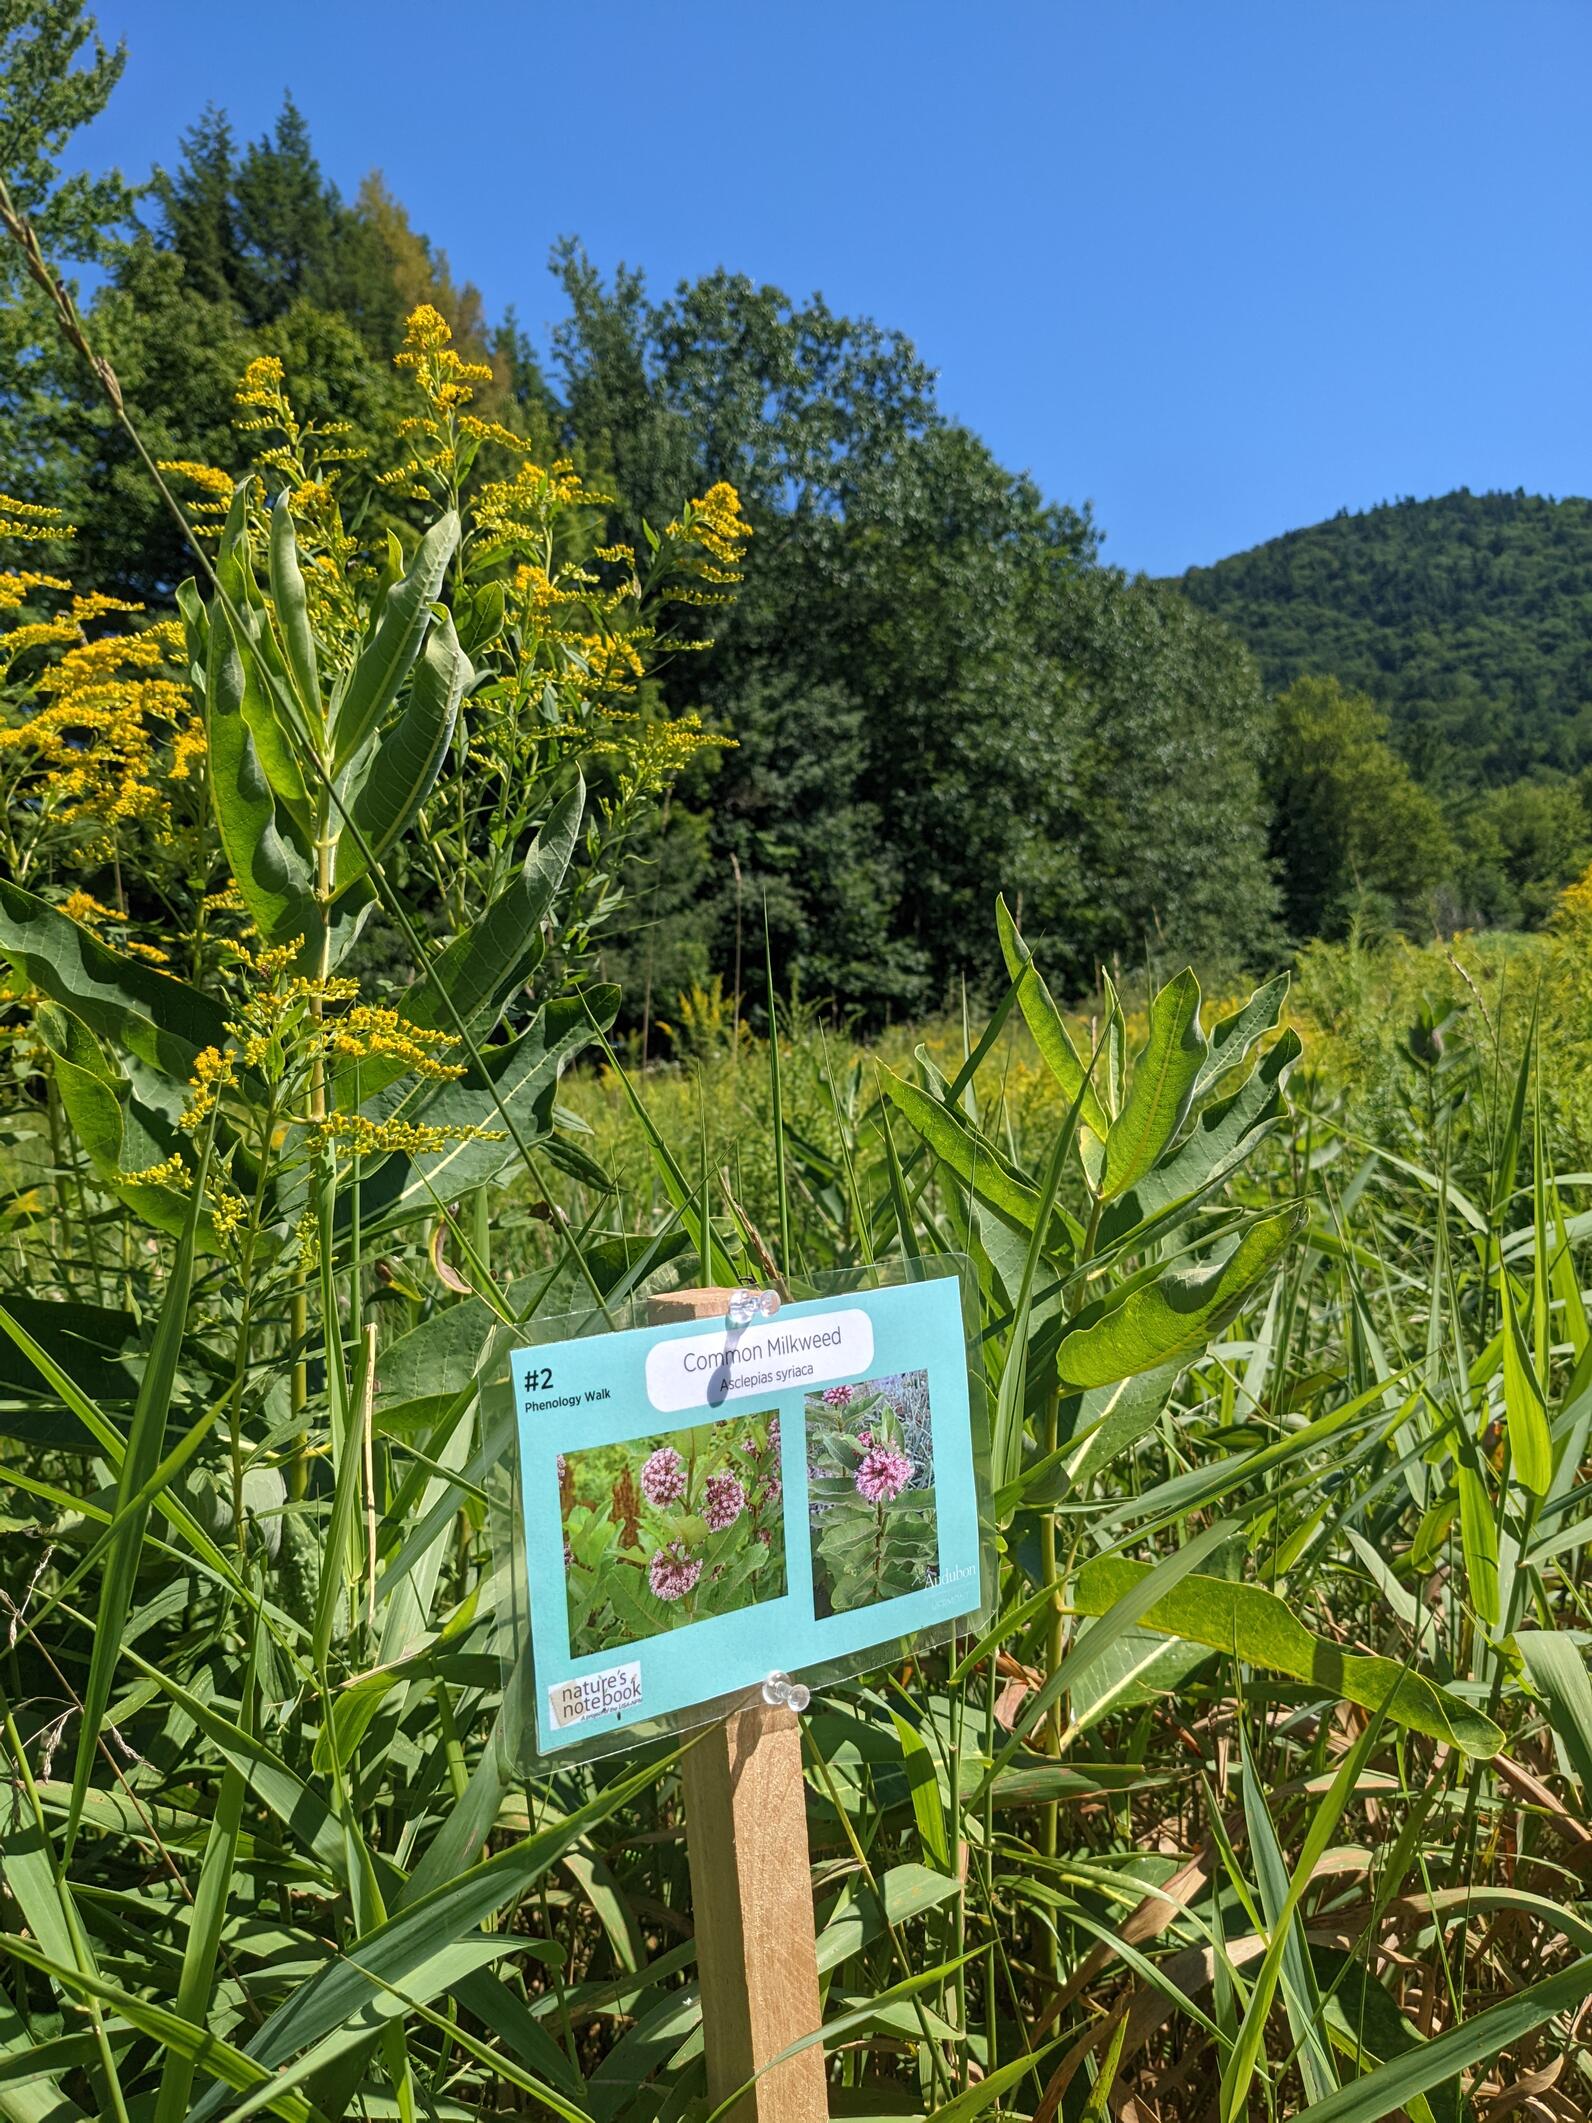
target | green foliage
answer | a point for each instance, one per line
(1465, 617)
(1266, 1779)
(1518, 847)
(1352, 829)
(870, 1482)
(663, 1531)
(931, 683)
(55, 77)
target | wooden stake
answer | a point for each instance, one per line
(751, 1886)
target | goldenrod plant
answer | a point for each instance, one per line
(1263, 1793)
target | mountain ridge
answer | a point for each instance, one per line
(1467, 616)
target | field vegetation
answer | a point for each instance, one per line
(1265, 1792)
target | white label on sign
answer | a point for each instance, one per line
(594, 1695)
(734, 1363)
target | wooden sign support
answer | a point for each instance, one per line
(751, 1886)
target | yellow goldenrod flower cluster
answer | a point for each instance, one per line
(368, 1031)
(226, 1206)
(1573, 909)
(206, 509)
(297, 1030)
(116, 725)
(83, 907)
(31, 519)
(446, 382)
(213, 1073)
(428, 354)
(651, 751)
(521, 510)
(305, 459)
(171, 1172)
(716, 524)
(360, 1136)
(18, 586)
(63, 629)
(603, 659)
(707, 545)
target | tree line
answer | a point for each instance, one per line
(933, 685)
(1461, 798)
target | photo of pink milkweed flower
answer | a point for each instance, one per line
(870, 1491)
(666, 1530)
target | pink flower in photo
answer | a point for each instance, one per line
(726, 1500)
(773, 1490)
(883, 1474)
(864, 1439)
(672, 1572)
(837, 1397)
(663, 1477)
(773, 1433)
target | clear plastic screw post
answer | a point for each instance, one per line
(747, 1306)
(780, 1690)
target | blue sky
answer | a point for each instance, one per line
(1221, 268)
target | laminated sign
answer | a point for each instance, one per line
(709, 1502)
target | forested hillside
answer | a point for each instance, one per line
(1431, 753)
(1469, 617)
(928, 683)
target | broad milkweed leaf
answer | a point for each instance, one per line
(1135, 1597)
(98, 1347)
(119, 1134)
(152, 1015)
(384, 662)
(1478, 1531)
(269, 867)
(1249, 1623)
(271, 710)
(479, 971)
(1160, 1088)
(1174, 1318)
(1233, 1038)
(292, 610)
(1110, 1420)
(971, 1157)
(1138, 1668)
(1222, 1138)
(1048, 1026)
(404, 761)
